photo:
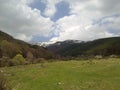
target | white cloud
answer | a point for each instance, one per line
(50, 9)
(110, 6)
(79, 25)
(23, 37)
(27, 1)
(17, 18)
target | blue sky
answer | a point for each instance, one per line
(38, 5)
(61, 7)
(58, 20)
(62, 10)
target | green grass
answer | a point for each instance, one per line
(66, 75)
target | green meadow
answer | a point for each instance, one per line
(103, 74)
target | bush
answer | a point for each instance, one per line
(113, 56)
(39, 60)
(98, 57)
(30, 57)
(0, 52)
(4, 61)
(3, 82)
(18, 60)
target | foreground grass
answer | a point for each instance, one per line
(66, 75)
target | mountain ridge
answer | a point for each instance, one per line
(46, 44)
(9, 47)
(103, 46)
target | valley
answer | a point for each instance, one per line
(66, 75)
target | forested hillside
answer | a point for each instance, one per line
(9, 47)
(105, 47)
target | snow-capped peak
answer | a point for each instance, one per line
(45, 44)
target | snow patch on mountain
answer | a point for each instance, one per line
(46, 44)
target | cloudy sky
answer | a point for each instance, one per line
(58, 20)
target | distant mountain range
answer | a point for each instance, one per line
(44, 44)
(9, 47)
(74, 48)
(49, 43)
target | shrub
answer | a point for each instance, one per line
(98, 56)
(113, 56)
(39, 60)
(18, 60)
(9, 49)
(3, 82)
(29, 57)
(0, 52)
(4, 61)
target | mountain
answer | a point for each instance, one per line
(9, 47)
(61, 45)
(105, 46)
(47, 44)
(44, 44)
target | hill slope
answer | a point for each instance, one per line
(106, 46)
(9, 47)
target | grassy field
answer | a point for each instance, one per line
(66, 75)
